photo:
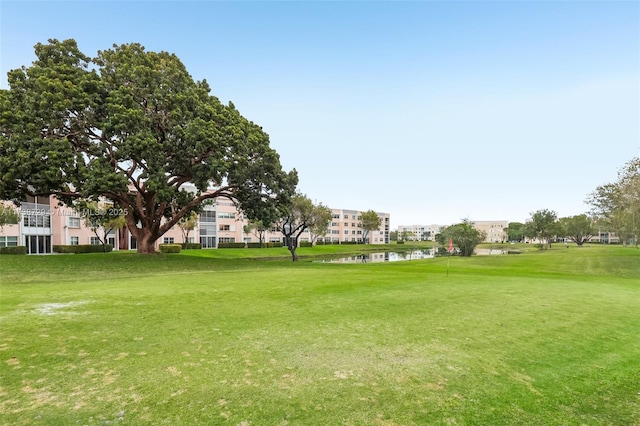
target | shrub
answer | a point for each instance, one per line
(170, 248)
(231, 245)
(257, 245)
(191, 246)
(13, 250)
(83, 248)
(306, 244)
(399, 242)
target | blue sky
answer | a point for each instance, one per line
(431, 111)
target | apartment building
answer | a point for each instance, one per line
(419, 232)
(43, 224)
(496, 230)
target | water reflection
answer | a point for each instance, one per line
(388, 256)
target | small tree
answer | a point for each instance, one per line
(298, 215)
(542, 226)
(578, 229)
(257, 228)
(515, 231)
(187, 224)
(8, 216)
(393, 235)
(370, 222)
(464, 236)
(102, 221)
(321, 220)
(405, 235)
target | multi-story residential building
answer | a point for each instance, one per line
(419, 232)
(43, 224)
(496, 230)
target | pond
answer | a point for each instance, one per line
(387, 256)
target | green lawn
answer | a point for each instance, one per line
(218, 337)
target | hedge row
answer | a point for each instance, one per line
(13, 250)
(83, 248)
(170, 248)
(250, 245)
(191, 246)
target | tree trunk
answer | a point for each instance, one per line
(292, 245)
(145, 241)
(294, 255)
(146, 245)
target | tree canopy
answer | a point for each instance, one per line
(321, 218)
(464, 236)
(134, 127)
(370, 222)
(8, 216)
(516, 231)
(257, 228)
(617, 204)
(298, 215)
(578, 228)
(542, 226)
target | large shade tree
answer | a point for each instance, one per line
(578, 228)
(134, 127)
(542, 226)
(617, 204)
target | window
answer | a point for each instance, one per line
(74, 222)
(346, 216)
(8, 241)
(226, 240)
(75, 241)
(226, 216)
(95, 241)
(168, 240)
(207, 230)
(40, 221)
(335, 216)
(208, 216)
(225, 228)
(335, 231)
(346, 231)
(207, 242)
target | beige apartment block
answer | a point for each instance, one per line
(346, 226)
(43, 224)
(419, 232)
(496, 230)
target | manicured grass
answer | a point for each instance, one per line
(216, 337)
